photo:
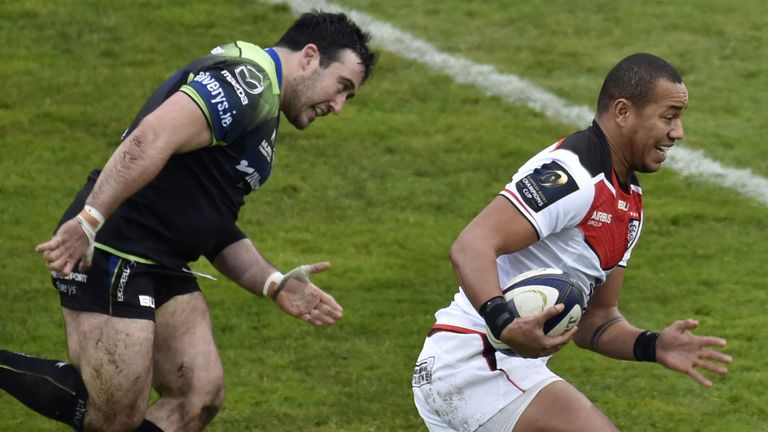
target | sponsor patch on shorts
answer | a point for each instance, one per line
(545, 186)
(68, 285)
(147, 301)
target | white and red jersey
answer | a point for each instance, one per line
(586, 220)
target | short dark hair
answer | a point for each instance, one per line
(331, 33)
(634, 78)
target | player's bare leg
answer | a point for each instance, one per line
(560, 407)
(114, 359)
(187, 369)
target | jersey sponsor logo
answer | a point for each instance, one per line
(608, 231)
(422, 372)
(253, 163)
(266, 150)
(250, 79)
(236, 86)
(598, 218)
(253, 178)
(545, 186)
(217, 97)
(623, 205)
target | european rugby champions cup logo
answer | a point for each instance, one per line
(545, 185)
(553, 178)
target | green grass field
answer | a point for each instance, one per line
(383, 190)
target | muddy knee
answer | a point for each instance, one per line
(113, 420)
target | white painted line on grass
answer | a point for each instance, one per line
(689, 162)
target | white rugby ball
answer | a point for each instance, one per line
(534, 291)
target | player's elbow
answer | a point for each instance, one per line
(466, 255)
(460, 249)
(596, 325)
(581, 339)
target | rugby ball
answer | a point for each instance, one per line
(534, 291)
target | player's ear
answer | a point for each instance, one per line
(621, 111)
(310, 56)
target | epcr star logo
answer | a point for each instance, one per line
(250, 79)
(553, 178)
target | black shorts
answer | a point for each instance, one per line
(121, 287)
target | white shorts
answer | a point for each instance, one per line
(460, 381)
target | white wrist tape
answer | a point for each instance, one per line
(96, 214)
(86, 219)
(89, 231)
(300, 273)
(276, 278)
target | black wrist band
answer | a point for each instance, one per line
(496, 315)
(645, 346)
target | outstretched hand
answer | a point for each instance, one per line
(66, 248)
(680, 350)
(302, 299)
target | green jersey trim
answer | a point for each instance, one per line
(258, 55)
(201, 104)
(123, 254)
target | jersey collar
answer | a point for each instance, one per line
(278, 65)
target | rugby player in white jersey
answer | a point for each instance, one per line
(576, 206)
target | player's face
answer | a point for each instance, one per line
(655, 128)
(319, 92)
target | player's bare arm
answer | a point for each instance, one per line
(295, 294)
(244, 265)
(496, 230)
(176, 126)
(604, 330)
(500, 228)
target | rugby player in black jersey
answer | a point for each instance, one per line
(170, 193)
